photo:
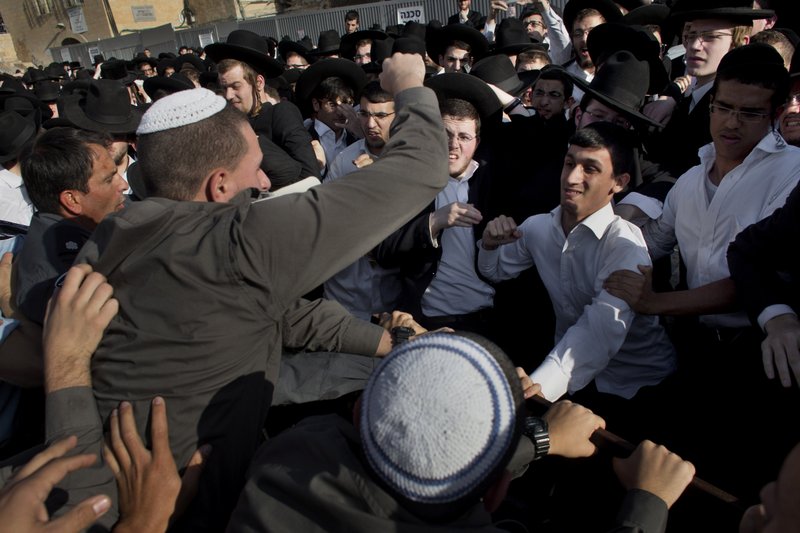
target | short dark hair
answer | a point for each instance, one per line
(584, 14)
(768, 75)
(460, 109)
(559, 74)
(461, 45)
(376, 94)
(58, 160)
(333, 88)
(617, 140)
(175, 162)
(351, 15)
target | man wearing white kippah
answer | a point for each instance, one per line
(205, 276)
(426, 453)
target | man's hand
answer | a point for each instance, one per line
(502, 230)
(22, 500)
(660, 110)
(455, 214)
(77, 314)
(151, 493)
(529, 388)
(363, 160)
(781, 348)
(497, 5)
(351, 122)
(319, 153)
(654, 468)
(6, 298)
(570, 425)
(635, 289)
(400, 319)
(401, 72)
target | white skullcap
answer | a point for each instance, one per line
(180, 109)
(438, 417)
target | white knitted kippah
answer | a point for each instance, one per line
(180, 109)
(437, 418)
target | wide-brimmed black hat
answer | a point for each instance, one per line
(104, 107)
(117, 70)
(247, 47)
(75, 65)
(292, 75)
(76, 86)
(499, 71)
(607, 8)
(437, 40)
(98, 58)
(15, 132)
(622, 85)
(47, 91)
(298, 47)
(473, 90)
(328, 43)
(352, 74)
(511, 38)
(381, 50)
(172, 84)
(653, 14)
(36, 75)
(347, 46)
(55, 71)
(194, 61)
(733, 10)
(528, 77)
(611, 37)
(26, 104)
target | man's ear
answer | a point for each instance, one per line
(569, 102)
(260, 82)
(217, 186)
(621, 181)
(577, 115)
(70, 201)
(315, 105)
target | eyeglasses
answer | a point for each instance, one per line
(743, 116)
(538, 93)
(707, 37)
(462, 138)
(581, 33)
(377, 116)
(534, 23)
(296, 66)
(600, 117)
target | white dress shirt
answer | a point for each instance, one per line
(577, 72)
(327, 138)
(703, 227)
(343, 164)
(456, 289)
(15, 206)
(598, 336)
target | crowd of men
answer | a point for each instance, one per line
(463, 247)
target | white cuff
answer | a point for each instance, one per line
(649, 206)
(771, 312)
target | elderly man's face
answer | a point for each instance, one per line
(790, 116)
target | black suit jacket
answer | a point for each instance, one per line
(474, 19)
(675, 148)
(283, 125)
(764, 263)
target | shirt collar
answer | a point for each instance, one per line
(471, 168)
(12, 180)
(771, 143)
(322, 128)
(597, 222)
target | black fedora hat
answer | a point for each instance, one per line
(36, 75)
(55, 71)
(607, 8)
(473, 90)
(352, 74)
(247, 47)
(297, 47)
(26, 104)
(653, 14)
(47, 91)
(117, 70)
(172, 84)
(753, 57)
(76, 86)
(621, 85)
(511, 38)
(15, 132)
(380, 51)
(327, 44)
(347, 46)
(105, 107)
(194, 61)
(438, 39)
(499, 71)
(415, 29)
(611, 37)
(292, 75)
(97, 59)
(140, 58)
(733, 10)
(75, 65)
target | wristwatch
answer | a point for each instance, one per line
(536, 429)
(400, 334)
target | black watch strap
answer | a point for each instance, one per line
(536, 429)
(400, 334)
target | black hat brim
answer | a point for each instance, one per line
(352, 74)
(471, 89)
(437, 39)
(633, 115)
(263, 64)
(75, 114)
(734, 14)
(284, 47)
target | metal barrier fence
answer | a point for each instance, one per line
(294, 25)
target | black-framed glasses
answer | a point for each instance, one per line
(380, 115)
(742, 116)
(538, 93)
